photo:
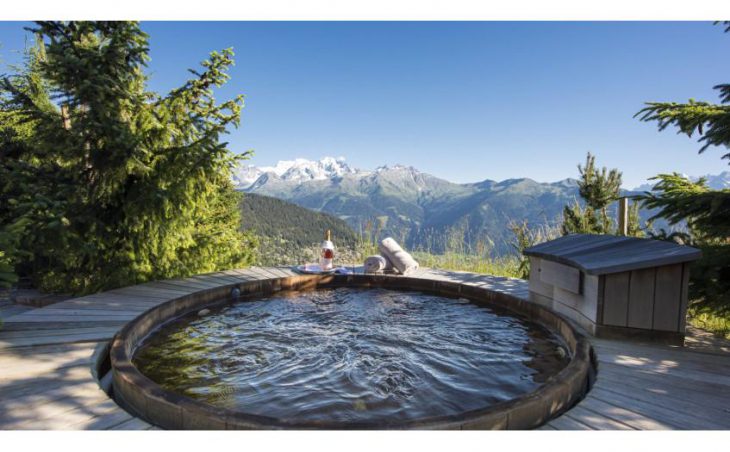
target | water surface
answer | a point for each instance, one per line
(352, 355)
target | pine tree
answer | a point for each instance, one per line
(17, 173)
(116, 184)
(578, 219)
(598, 189)
(706, 211)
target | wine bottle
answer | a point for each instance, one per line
(328, 252)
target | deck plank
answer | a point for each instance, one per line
(132, 424)
(595, 420)
(78, 336)
(623, 415)
(702, 396)
(69, 414)
(566, 422)
(670, 415)
(669, 358)
(10, 310)
(18, 365)
(639, 362)
(30, 385)
(46, 356)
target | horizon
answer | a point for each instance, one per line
(246, 163)
(428, 94)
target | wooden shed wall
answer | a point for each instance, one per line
(652, 299)
(646, 299)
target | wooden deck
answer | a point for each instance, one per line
(47, 380)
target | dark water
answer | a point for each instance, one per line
(352, 354)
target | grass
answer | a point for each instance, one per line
(712, 323)
(715, 322)
(272, 253)
(500, 266)
(458, 255)
(456, 258)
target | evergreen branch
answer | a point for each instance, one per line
(711, 122)
(678, 199)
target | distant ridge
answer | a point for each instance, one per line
(420, 210)
(285, 230)
(716, 182)
(274, 217)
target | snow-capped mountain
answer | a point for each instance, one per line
(719, 182)
(420, 209)
(245, 175)
(415, 206)
(714, 181)
(297, 171)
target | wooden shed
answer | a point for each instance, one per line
(614, 285)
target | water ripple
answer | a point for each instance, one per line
(352, 354)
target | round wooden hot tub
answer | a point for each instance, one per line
(171, 410)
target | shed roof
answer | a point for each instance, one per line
(602, 254)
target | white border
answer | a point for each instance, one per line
(535, 441)
(367, 10)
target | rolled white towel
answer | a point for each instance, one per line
(377, 263)
(401, 260)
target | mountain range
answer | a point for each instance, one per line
(289, 233)
(420, 210)
(714, 181)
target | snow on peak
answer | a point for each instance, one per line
(720, 181)
(714, 181)
(297, 170)
(396, 167)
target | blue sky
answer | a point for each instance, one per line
(465, 101)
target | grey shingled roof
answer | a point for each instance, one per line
(602, 254)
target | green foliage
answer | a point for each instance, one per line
(579, 220)
(526, 237)
(598, 189)
(370, 235)
(291, 234)
(499, 266)
(677, 199)
(119, 185)
(710, 285)
(709, 289)
(479, 259)
(708, 121)
(707, 212)
(9, 252)
(711, 321)
(7, 270)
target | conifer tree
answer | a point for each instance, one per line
(706, 211)
(115, 184)
(598, 189)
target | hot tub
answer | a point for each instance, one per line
(350, 352)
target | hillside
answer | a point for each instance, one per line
(290, 233)
(420, 210)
